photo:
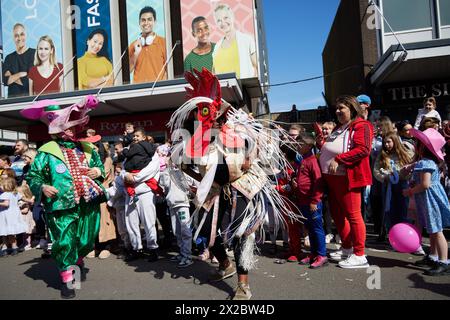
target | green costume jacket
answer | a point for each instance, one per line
(48, 169)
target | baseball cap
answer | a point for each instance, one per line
(364, 99)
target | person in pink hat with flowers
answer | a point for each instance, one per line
(432, 203)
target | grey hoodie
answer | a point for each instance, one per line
(175, 196)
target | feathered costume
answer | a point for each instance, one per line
(73, 214)
(251, 154)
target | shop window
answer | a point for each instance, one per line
(444, 8)
(405, 15)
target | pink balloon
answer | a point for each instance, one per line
(405, 238)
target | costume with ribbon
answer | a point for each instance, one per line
(66, 164)
(234, 155)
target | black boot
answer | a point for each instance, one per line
(132, 256)
(153, 256)
(66, 292)
(439, 269)
(83, 272)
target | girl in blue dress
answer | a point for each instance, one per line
(433, 208)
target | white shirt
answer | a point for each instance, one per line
(336, 144)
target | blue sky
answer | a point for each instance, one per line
(296, 32)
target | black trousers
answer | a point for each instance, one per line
(218, 250)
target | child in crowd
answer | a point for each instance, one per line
(128, 136)
(11, 222)
(428, 111)
(322, 134)
(117, 201)
(141, 176)
(26, 208)
(432, 204)
(310, 190)
(387, 170)
(176, 189)
(5, 163)
(138, 156)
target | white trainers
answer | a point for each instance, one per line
(354, 262)
(328, 238)
(42, 244)
(341, 254)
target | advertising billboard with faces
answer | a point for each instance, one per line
(94, 44)
(220, 36)
(32, 49)
(146, 40)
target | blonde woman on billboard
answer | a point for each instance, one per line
(95, 67)
(46, 73)
(236, 51)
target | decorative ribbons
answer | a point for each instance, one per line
(84, 187)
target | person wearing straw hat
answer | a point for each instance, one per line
(432, 203)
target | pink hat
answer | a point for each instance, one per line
(57, 119)
(432, 139)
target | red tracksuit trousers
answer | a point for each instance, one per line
(345, 207)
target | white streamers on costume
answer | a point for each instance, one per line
(262, 150)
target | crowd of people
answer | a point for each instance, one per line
(343, 176)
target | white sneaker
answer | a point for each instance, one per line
(341, 254)
(354, 262)
(419, 252)
(328, 238)
(27, 247)
(42, 244)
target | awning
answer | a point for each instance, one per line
(119, 100)
(422, 61)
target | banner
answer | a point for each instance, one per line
(147, 40)
(25, 25)
(220, 36)
(94, 44)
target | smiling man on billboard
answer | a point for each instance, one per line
(148, 52)
(17, 64)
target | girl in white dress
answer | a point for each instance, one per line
(11, 222)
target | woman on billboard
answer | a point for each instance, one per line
(46, 76)
(236, 51)
(95, 67)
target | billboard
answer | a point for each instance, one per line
(220, 36)
(94, 45)
(30, 27)
(147, 40)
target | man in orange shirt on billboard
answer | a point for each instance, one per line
(148, 53)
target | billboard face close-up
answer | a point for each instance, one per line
(94, 45)
(220, 36)
(29, 28)
(147, 40)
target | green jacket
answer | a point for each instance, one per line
(48, 169)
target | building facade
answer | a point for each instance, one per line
(143, 62)
(399, 55)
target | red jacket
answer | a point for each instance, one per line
(356, 159)
(309, 181)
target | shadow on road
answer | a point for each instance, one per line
(197, 272)
(421, 283)
(43, 270)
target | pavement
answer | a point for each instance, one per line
(29, 277)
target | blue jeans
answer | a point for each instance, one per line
(315, 230)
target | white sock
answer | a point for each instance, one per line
(434, 258)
